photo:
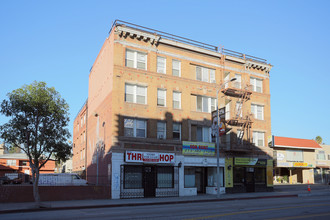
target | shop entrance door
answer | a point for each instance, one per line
(200, 179)
(149, 183)
(249, 180)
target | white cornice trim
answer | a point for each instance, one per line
(189, 58)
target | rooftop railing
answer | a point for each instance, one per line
(188, 41)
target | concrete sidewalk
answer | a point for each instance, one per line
(279, 192)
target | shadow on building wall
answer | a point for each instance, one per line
(230, 145)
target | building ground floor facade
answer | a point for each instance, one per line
(140, 174)
(322, 175)
(294, 175)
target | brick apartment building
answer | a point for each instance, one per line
(19, 163)
(148, 112)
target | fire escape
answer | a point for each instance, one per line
(242, 121)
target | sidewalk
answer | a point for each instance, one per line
(279, 191)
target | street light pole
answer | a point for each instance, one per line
(218, 137)
(97, 148)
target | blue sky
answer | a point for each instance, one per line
(58, 41)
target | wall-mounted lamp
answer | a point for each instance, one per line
(229, 167)
(179, 164)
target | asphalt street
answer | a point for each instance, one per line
(312, 207)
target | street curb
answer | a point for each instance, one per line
(140, 204)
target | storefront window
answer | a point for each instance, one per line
(260, 175)
(133, 177)
(238, 175)
(165, 177)
(212, 176)
(189, 177)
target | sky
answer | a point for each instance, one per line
(58, 42)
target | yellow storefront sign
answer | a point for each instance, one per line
(300, 164)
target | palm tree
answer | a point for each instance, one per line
(318, 139)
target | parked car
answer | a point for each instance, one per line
(17, 181)
(5, 180)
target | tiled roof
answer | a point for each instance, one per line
(295, 142)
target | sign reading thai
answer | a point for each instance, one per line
(149, 157)
(198, 148)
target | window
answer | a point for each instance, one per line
(205, 74)
(257, 111)
(136, 59)
(320, 155)
(328, 156)
(11, 162)
(177, 131)
(238, 82)
(294, 155)
(135, 94)
(239, 112)
(177, 100)
(205, 104)
(212, 176)
(203, 134)
(260, 175)
(189, 177)
(161, 130)
(227, 109)
(135, 128)
(133, 177)
(258, 138)
(256, 84)
(161, 97)
(238, 173)
(176, 68)
(165, 177)
(161, 65)
(240, 135)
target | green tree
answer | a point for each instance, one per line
(318, 139)
(37, 125)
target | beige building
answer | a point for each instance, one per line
(322, 170)
(295, 160)
(149, 125)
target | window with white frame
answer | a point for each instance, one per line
(135, 127)
(320, 155)
(258, 138)
(161, 65)
(176, 68)
(136, 59)
(203, 134)
(161, 130)
(256, 84)
(227, 109)
(11, 162)
(257, 111)
(205, 74)
(238, 81)
(205, 104)
(294, 155)
(239, 112)
(177, 131)
(161, 97)
(240, 134)
(135, 94)
(177, 100)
